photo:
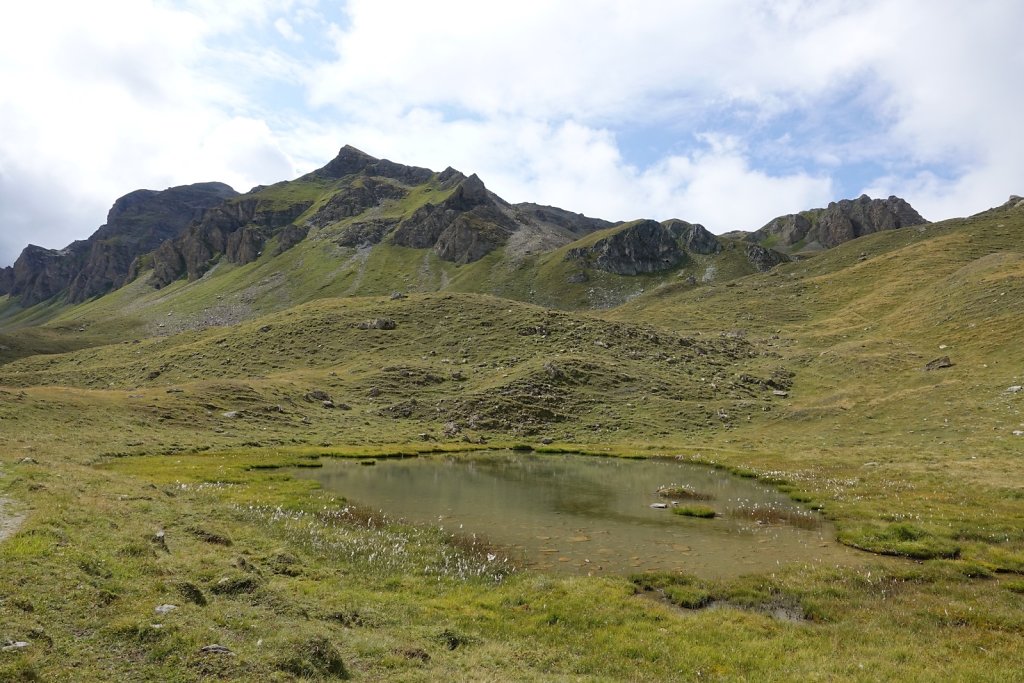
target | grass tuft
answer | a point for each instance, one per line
(699, 511)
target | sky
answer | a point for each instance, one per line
(722, 112)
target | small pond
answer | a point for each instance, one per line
(593, 515)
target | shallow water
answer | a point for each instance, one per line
(584, 514)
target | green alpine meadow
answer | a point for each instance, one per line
(202, 403)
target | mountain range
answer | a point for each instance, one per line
(357, 205)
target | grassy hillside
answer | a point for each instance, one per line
(148, 465)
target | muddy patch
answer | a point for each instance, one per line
(9, 523)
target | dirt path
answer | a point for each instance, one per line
(8, 523)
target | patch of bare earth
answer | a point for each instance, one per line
(8, 523)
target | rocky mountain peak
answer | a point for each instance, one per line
(348, 161)
(470, 192)
(450, 176)
(839, 222)
(351, 161)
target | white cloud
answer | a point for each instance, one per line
(763, 106)
(936, 80)
(958, 102)
(113, 96)
(287, 31)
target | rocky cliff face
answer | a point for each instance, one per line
(647, 247)
(40, 274)
(642, 247)
(237, 230)
(463, 228)
(694, 237)
(136, 224)
(553, 218)
(840, 222)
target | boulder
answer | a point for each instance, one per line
(763, 259)
(939, 363)
(377, 324)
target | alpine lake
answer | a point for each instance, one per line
(589, 515)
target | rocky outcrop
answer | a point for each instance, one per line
(289, 237)
(840, 222)
(1014, 202)
(647, 247)
(245, 245)
(463, 228)
(363, 194)
(366, 233)
(136, 224)
(552, 217)
(763, 259)
(6, 279)
(642, 247)
(237, 229)
(40, 274)
(694, 237)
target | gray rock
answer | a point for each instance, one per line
(577, 278)
(215, 649)
(231, 414)
(695, 237)
(1015, 389)
(13, 645)
(164, 609)
(642, 247)
(317, 395)
(840, 222)
(463, 228)
(939, 363)
(136, 224)
(659, 506)
(764, 259)
(377, 324)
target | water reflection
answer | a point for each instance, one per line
(589, 515)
